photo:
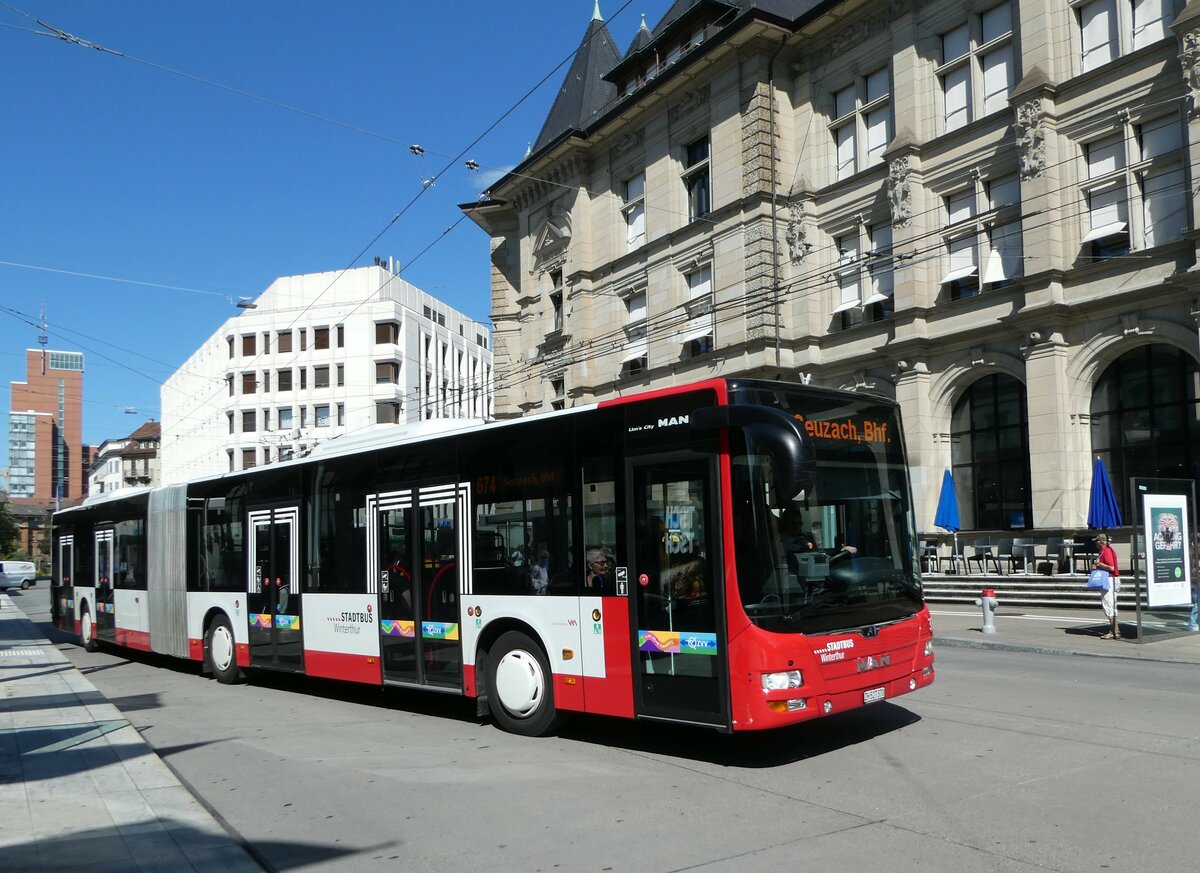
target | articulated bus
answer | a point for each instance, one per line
(632, 558)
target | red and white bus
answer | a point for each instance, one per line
(635, 558)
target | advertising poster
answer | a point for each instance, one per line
(1167, 550)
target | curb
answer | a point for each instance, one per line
(966, 643)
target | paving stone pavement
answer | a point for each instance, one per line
(80, 789)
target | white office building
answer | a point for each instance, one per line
(316, 357)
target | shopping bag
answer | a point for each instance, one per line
(1097, 581)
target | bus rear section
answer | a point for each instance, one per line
(825, 610)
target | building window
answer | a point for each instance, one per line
(266, 340)
(637, 349)
(320, 338)
(283, 341)
(989, 450)
(249, 383)
(303, 378)
(1136, 190)
(320, 377)
(556, 299)
(558, 392)
(321, 415)
(983, 231)
(285, 418)
(284, 379)
(229, 340)
(387, 412)
(697, 338)
(341, 414)
(1111, 28)
(341, 336)
(633, 207)
(248, 421)
(304, 416)
(977, 71)
(341, 375)
(285, 453)
(248, 345)
(229, 384)
(303, 339)
(247, 458)
(696, 178)
(387, 332)
(229, 416)
(862, 124)
(266, 380)
(865, 275)
(387, 372)
(1145, 417)
(266, 419)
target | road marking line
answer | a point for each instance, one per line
(1076, 619)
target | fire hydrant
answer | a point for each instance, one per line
(989, 603)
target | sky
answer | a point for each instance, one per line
(212, 147)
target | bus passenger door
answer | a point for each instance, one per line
(676, 589)
(416, 561)
(273, 590)
(104, 609)
(62, 607)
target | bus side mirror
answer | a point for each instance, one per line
(771, 432)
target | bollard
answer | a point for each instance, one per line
(989, 603)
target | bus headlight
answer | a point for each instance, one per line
(782, 681)
(928, 648)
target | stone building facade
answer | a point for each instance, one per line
(982, 210)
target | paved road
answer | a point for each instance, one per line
(1010, 762)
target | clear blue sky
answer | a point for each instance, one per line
(113, 167)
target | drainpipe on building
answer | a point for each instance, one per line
(774, 202)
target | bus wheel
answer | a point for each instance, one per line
(520, 686)
(87, 633)
(220, 651)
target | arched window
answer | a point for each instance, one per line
(989, 451)
(1144, 418)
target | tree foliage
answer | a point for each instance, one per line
(10, 531)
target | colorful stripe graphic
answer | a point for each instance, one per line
(287, 622)
(110, 607)
(439, 630)
(260, 619)
(658, 641)
(698, 644)
(392, 628)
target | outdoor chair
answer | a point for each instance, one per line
(957, 557)
(1004, 552)
(1085, 553)
(981, 554)
(1052, 556)
(1023, 551)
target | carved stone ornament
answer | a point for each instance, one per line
(899, 191)
(627, 143)
(850, 37)
(797, 232)
(1190, 59)
(551, 239)
(1031, 139)
(688, 102)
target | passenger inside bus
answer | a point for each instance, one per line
(599, 572)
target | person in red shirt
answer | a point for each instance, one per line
(1106, 559)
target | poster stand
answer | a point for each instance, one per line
(1152, 625)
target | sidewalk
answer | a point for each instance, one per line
(79, 787)
(1053, 631)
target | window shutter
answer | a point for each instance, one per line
(878, 125)
(1107, 212)
(1098, 23)
(996, 22)
(1164, 206)
(636, 221)
(882, 277)
(956, 90)
(960, 206)
(1160, 137)
(845, 150)
(1149, 22)
(997, 79)
(955, 43)
(1105, 156)
(1004, 257)
(849, 293)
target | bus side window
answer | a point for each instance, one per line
(599, 526)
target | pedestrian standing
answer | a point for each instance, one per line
(1107, 560)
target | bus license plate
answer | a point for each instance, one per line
(873, 695)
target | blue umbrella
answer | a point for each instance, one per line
(1103, 511)
(947, 508)
(947, 513)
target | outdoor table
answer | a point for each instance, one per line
(1068, 555)
(1025, 551)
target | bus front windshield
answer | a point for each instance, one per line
(840, 555)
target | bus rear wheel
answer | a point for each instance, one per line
(220, 651)
(87, 633)
(520, 686)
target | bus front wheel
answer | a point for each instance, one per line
(520, 686)
(220, 651)
(87, 633)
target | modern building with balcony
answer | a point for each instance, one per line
(316, 357)
(984, 210)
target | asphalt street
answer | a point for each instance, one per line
(1009, 762)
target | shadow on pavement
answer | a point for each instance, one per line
(753, 749)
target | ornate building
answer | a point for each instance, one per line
(983, 210)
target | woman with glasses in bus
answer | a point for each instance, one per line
(599, 568)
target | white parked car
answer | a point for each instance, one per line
(17, 574)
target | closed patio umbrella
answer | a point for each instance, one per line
(946, 516)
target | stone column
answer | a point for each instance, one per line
(1051, 459)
